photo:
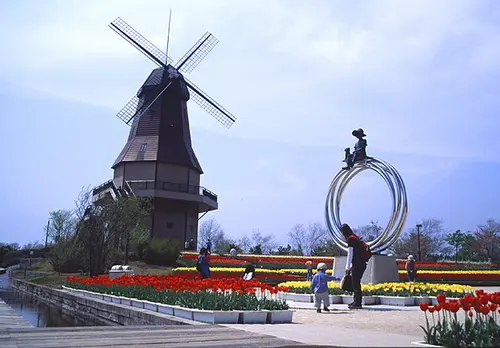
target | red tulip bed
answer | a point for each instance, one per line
(266, 261)
(207, 294)
(471, 321)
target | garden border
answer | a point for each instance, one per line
(403, 301)
(198, 315)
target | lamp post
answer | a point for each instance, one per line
(419, 226)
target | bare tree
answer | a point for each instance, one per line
(432, 241)
(258, 241)
(369, 232)
(307, 238)
(245, 243)
(210, 230)
(488, 240)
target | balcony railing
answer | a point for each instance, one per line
(108, 184)
(173, 187)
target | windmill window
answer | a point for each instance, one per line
(143, 147)
(170, 225)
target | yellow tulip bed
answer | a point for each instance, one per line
(479, 272)
(455, 275)
(387, 289)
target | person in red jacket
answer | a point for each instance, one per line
(355, 265)
(411, 268)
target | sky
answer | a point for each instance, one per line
(420, 77)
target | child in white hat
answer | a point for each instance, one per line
(319, 285)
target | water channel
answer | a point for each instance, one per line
(37, 313)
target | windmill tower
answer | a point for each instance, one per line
(158, 160)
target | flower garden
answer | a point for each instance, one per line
(470, 321)
(227, 298)
(276, 269)
(176, 296)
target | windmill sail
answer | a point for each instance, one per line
(210, 105)
(197, 53)
(139, 42)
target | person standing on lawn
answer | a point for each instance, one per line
(319, 285)
(355, 264)
(309, 265)
(411, 268)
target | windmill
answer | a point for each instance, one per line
(158, 160)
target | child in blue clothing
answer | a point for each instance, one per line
(319, 285)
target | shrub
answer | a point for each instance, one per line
(163, 252)
(65, 257)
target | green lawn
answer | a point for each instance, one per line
(54, 279)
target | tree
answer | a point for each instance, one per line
(328, 248)
(256, 250)
(125, 218)
(488, 240)
(468, 250)
(456, 240)
(368, 232)
(283, 250)
(95, 239)
(91, 237)
(62, 224)
(307, 239)
(432, 244)
(265, 243)
(211, 230)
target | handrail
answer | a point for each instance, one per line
(170, 186)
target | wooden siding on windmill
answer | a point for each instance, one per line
(139, 149)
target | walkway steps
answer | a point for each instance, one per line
(138, 336)
(9, 318)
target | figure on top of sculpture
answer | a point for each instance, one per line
(359, 153)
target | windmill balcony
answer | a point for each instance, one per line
(104, 192)
(207, 200)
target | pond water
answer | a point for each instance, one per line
(37, 313)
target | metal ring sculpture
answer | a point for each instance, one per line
(399, 203)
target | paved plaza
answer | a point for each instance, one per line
(374, 326)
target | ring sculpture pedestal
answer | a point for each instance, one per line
(380, 268)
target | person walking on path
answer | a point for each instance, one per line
(411, 268)
(356, 263)
(309, 265)
(209, 245)
(319, 285)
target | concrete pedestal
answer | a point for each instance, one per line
(380, 269)
(119, 270)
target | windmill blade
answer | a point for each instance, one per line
(197, 53)
(137, 107)
(210, 105)
(140, 42)
(130, 109)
